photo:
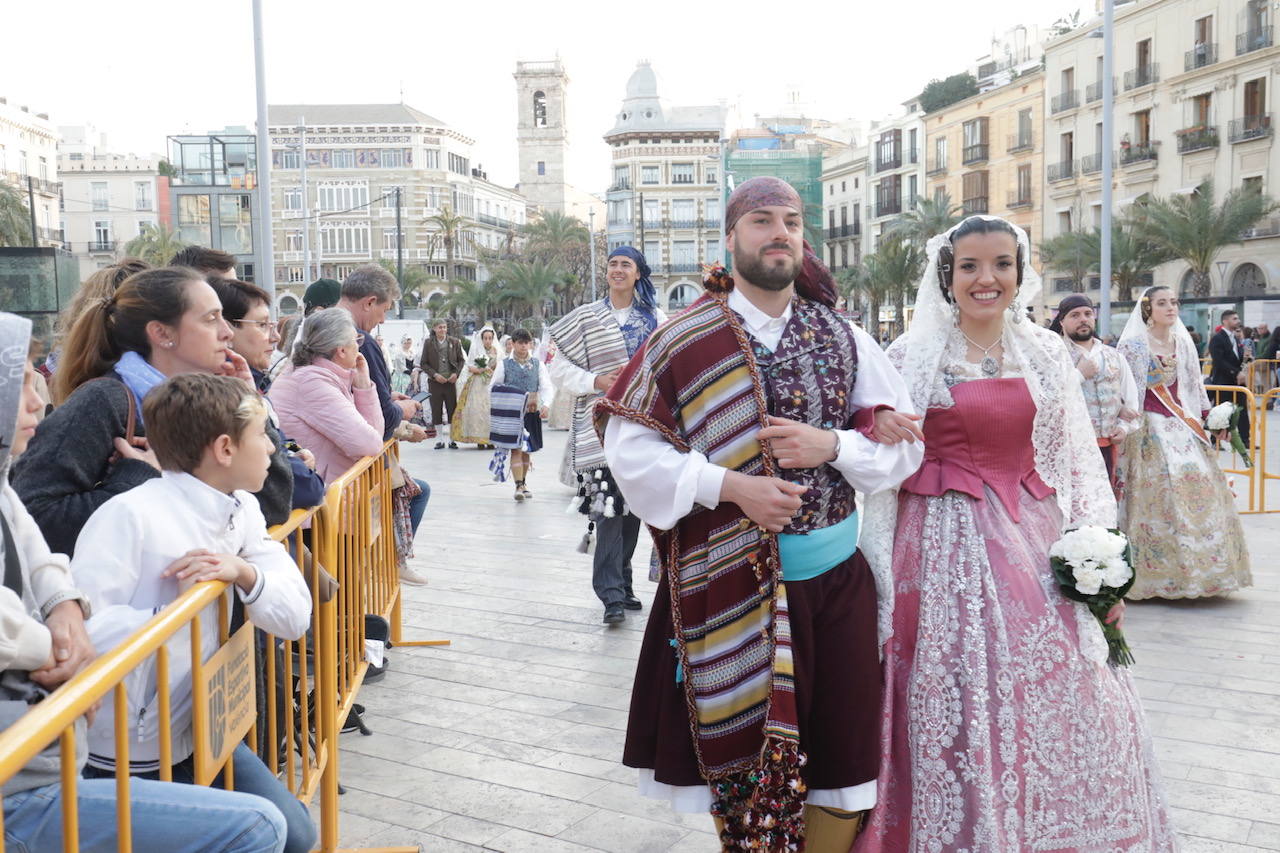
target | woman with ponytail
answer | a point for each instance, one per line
(159, 323)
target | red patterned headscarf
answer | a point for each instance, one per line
(814, 280)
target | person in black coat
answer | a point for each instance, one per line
(1227, 366)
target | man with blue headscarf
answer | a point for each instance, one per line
(593, 344)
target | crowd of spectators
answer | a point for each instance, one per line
(180, 422)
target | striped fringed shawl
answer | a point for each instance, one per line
(697, 383)
(506, 416)
(589, 338)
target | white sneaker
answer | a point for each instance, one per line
(409, 576)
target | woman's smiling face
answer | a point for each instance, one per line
(984, 280)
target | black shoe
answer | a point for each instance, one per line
(630, 602)
(453, 445)
(613, 614)
(439, 445)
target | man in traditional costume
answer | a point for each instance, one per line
(1110, 392)
(740, 435)
(593, 342)
(442, 360)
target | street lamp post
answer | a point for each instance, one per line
(591, 241)
(1108, 96)
(264, 275)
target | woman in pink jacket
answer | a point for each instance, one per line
(327, 403)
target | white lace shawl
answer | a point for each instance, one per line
(1066, 450)
(1134, 346)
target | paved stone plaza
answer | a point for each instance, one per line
(510, 739)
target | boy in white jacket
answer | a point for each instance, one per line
(43, 643)
(197, 522)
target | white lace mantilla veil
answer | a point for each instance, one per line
(1134, 347)
(1066, 451)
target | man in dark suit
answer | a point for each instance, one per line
(442, 361)
(1226, 353)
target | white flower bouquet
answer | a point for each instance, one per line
(1093, 566)
(1226, 416)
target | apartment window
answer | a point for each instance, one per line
(912, 191)
(1067, 147)
(844, 214)
(1142, 128)
(912, 148)
(23, 164)
(975, 192)
(831, 218)
(431, 158)
(144, 224)
(542, 167)
(620, 212)
(293, 241)
(712, 174)
(293, 198)
(194, 220)
(1024, 127)
(391, 240)
(1255, 98)
(649, 174)
(235, 223)
(394, 158)
(939, 193)
(343, 158)
(844, 254)
(712, 207)
(1202, 110)
(1064, 222)
(98, 193)
(335, 197)
(975, 140)
(1024, 184)
(713, 250)
(683, 211)
(1202, 31)
(142, 198)
(344, 238)
(842, 186)
(1253, 184)
(295, 275)
(1068, 80)
(102, 233)
(653, 252)
(290, 158)
(388, 194)
(681, 173)
(940, 153)
(684, 254)
(459, 164)
(652, 213)
(44, 169)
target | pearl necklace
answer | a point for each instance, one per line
(990, 367)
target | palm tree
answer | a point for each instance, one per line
(15, 218)
(451, 228)
(1131, 257)
(931, 216)
(898, 263)
(470, 299)
(1070, 252)
(859, 284)
(412, 284)
(1194, 229)
(156, 244)
(527, 283)
(553, 235)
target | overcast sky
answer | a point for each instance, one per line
(140, 70)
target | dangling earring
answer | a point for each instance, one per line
(955, 313)
(1015, 311)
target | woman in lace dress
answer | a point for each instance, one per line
(1004, 727)
(472, 424)
(1177, 508)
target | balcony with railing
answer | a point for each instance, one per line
(1063, 171)
(101, 246)
(1143, 75)
(975, 205)
(1198, 138)
(1021, 142)
(496, 222)
(1091, 164)
(681, 179)
(51, 235)
(683, 223)
(619, 186)
(677, 268)
(711, 223)
(1250, 127)
(976, 153)
(888, 206)
(1093, 92)
(937, 167)
(1269, 227)
(1137, 154)
(1065, 101)
(1019, 199)
(1253, 39)
(836, 232)
(1200, 56)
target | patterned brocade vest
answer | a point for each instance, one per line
(522, 376)
(1102, 394)
(809, 378)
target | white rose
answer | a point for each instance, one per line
(1088, 581)
(1116, 573)
(1219, 416)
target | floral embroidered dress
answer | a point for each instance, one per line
(1177, 509)
(1004, 728)
(471, 426)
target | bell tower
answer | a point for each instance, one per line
(542, 132)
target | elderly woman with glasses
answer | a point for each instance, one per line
(328, 402)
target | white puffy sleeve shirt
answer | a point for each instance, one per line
(662, 484)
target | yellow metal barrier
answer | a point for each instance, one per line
(1223, 393)
(352, 536)
(1261, 374)
(1260, 462)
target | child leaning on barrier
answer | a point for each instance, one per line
(197, 522)
(43, 643)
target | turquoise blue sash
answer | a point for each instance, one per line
(807, 555)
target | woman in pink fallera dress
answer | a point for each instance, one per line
(1004, 727)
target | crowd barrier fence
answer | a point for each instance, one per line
(288, 708)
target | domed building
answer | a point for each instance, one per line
(665, 194)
